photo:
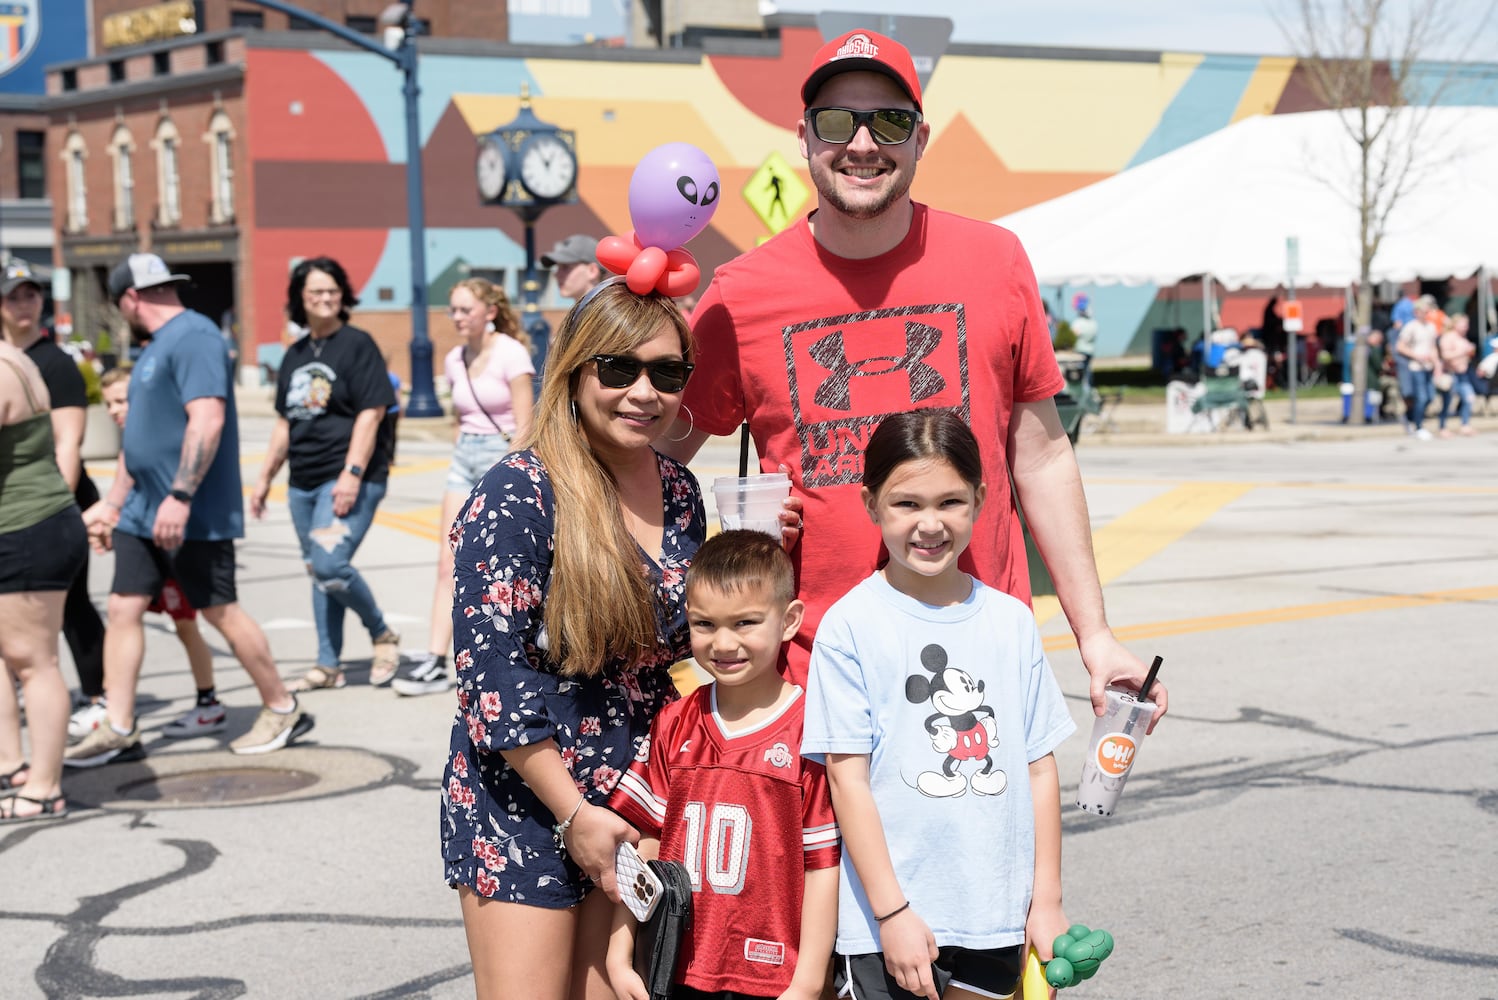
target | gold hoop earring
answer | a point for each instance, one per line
(691, 426)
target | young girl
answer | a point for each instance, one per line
(936, 713)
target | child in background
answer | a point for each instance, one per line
(721, 786)
(207, 716)
(933, 706)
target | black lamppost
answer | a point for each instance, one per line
(401, 30)
(528, 166)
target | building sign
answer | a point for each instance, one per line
(150, 24)
(86, 253)
(20, 27)
(209, 248)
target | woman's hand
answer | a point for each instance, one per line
(257, 499)
(345, 493)
(790, 516)
(591, 839)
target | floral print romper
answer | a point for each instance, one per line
(496, 834)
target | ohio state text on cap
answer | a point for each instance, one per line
(865, 51)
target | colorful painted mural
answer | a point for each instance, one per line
(327, 145)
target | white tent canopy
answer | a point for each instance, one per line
(1225, 204)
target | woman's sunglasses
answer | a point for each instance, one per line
(888, 126)
(620, 371)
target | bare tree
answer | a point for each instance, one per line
(1376, 62)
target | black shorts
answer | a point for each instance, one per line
(992, 972)
(204, 570)
(46, 556)
(681, 991)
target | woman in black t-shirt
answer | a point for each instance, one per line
(332, 394)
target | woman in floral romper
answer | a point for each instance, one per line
(567, 614)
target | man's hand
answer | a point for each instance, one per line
(345, 493)
(99, 521)
(171, 523)
(1108, 662)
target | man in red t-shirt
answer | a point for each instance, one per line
(875, 304)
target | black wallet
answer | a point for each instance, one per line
(658, 942)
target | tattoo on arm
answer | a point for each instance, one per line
(198, 450)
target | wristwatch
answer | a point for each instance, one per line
(354, 470)
(181, 496)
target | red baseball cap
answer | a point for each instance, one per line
(862, 51)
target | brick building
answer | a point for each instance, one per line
(148, 149)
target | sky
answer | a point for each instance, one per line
(1218, 26)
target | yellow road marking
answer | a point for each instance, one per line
(1131, 539)
(1299, 612)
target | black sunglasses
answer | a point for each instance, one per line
(888, 126)
(620, 371)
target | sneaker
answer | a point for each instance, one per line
(1422, 435)
(199, 721)
(272, 731)
(426, 676)
(104, 746)
(85, 719)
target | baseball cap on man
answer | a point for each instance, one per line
(862, 51)
(17, 273)
(140, 271)
(579, 248)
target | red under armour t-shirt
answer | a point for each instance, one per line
(814, 350)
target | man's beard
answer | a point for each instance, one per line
(826, 185)
(139, 335)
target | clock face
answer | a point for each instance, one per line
(547, 166)
(491, 171)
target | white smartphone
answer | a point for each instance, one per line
(638, 885)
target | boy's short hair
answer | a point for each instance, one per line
(113, 376)
(733, 560)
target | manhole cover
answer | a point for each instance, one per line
(216, 785)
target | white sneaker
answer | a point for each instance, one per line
(1422, 435)
(199, 721)
(85, 719)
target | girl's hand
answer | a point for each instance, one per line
(909, 949)
(593, 836)
(1044, 924)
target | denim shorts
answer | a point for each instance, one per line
(44, 557)
(474, 455)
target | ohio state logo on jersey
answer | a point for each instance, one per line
(872, 364)
(779, 755)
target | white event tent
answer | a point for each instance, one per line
(1222, 207)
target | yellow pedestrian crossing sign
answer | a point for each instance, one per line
(776, 193)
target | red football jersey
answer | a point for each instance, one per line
(747, 816)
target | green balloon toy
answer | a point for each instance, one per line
(1078, 953)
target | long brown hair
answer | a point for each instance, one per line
(493, 296)
(600, 604)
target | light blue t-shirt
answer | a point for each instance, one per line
(925, 691)
(187, 359)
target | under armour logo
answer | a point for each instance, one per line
(831, 353)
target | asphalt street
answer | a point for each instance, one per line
(1318, 815)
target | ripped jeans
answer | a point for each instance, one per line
(328, 547)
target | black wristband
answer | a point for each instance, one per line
(182, 496)
(895, 912)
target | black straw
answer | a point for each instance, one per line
(1149, 679)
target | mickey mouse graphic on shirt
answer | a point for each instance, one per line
(962, 728)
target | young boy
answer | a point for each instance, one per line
(721, 786)
(207, 716)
